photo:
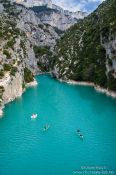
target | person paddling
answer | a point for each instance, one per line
(78, 130)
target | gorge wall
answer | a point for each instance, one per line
(87, 51)
(26, 46)
(52, 14)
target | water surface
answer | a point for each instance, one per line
(26, 150)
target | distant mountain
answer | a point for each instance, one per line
(32, 3)
(77, 14)
(52, 14)
(87, 51)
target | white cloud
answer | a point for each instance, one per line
(75, 5)
(96, 1)
(71, 5)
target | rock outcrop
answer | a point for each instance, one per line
(13, 88)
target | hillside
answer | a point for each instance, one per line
(87, 51)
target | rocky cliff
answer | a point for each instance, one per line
(52, 14)
(58, 17)
(55, 18)
(76, 14)
(87, 51)
(26, 47)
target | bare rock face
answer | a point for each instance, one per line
(36, 31)
(76, 14)
(1, 8)
(110, 48)
(52, 14)
(57, 19)
(13, 88)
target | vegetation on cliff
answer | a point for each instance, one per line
(87, 51)
(14, 46)
(28, 75)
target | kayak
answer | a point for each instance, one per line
(80, 135)
(34, 116)
(46, 127)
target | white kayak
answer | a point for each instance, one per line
(34, 116)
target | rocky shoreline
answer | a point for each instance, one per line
(1, 112)
(31, 84)
(97, 88)
(71, 82)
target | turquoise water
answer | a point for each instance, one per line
(26, 150)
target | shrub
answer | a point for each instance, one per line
(111, 82)
(13, 71)
(7, 67)
(11, 43)
(1, 34)
(1, 74)
(28, 75)
(6, 52)
(40, 51)
(42, 66)
(1, 89)
(1, 93)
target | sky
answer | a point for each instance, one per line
(75, 5)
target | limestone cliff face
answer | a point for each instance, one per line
(76, 14)
(36, 31)
(13, 88)
(52, 14)
(12, 69)
(58, 17)
(110, 48)
(17, 57)
(42, 38)
(26, 46)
